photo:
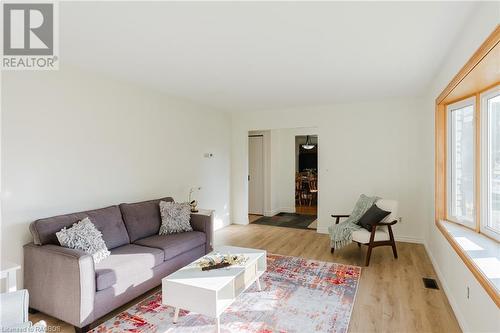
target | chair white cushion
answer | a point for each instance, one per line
(363, 235)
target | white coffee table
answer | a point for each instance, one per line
(211, 292)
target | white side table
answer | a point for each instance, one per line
(211, 213)
(9, 271)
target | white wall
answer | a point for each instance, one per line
(274, 171)
(74, 141)
(479, 313)
(367, 147)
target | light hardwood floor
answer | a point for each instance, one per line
(391, 296)
(252, 218)
(309, 210)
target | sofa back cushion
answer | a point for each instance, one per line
(142, 218)
(107, 220)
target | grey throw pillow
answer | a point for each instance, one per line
(83, 235)
(175, 217)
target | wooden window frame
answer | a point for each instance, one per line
(441, 150)
(483, 227)
(451, 107)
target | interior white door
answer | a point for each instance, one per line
(256, 175)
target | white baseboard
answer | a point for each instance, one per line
(447, 292)
(242, 221)
(287, 210)
(271, 212)
(322, 230)
(407, 239)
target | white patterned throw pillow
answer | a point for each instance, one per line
(83, 235)
(175, 217)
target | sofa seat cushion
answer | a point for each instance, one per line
(174, 244)
(124, 263)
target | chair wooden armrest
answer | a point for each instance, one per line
(385, 223)
(337, 217)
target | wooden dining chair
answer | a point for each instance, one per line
(305, 194)
(313, 190)
(298, 190)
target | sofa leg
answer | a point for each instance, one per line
(331, 250)
(32, 311)
(359, 244)
(83, 329)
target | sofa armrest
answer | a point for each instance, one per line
(61, 282)
(203, 221)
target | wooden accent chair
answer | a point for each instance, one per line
(381, 234)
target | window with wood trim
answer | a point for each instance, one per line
(461, 171)
(467, 162)
(490, 160)
(461, 168)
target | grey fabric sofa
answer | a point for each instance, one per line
(66, 284)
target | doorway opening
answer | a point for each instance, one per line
(306, 174)
(283, 177)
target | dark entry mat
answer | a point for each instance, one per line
(288, 220)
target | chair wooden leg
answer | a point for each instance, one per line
(370, 245)
(368, 255)
(394, 251)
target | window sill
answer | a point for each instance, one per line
(479, 253)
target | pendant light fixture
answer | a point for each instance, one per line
(308, 145)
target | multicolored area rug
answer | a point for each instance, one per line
(298, 295)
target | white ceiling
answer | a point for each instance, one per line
(244, 56)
